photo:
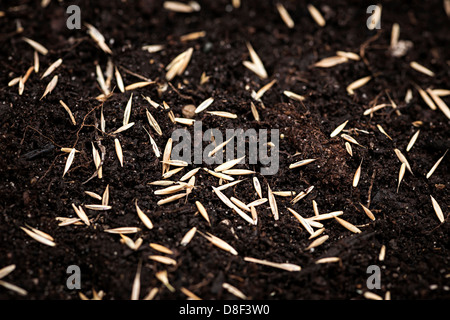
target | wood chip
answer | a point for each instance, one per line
(39, 237)
(412, 141)
(36, 46)
(119, 151)
(301, 163)
(330, 62)
(436, 165)
(317, 16)
(437, 210)
(347, 225)
(338, 129)
(69, 161)
(52, 68)
(50, 87)
(317, 242)
(256, 64)
(144, 218)
(418, 67)
(357, 84)
(368, 212)
(188, 236)
(285, 16)
(284, 266)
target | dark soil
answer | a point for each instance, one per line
(32, 131)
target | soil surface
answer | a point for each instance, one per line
(33, 191)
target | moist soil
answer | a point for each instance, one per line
(33, 191)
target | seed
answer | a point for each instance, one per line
(302, 194)
(234, 291)
(51, 85)
(285, 16)
(412, 141)
(144, 218)
(190, 294)
(202, 211)
(368, 212)
(228, 165)
(136, 284)
(293, 95)
(98, 38)
(205, 104)
(325, 216)
(101, 80)
(219, 147)
(421, 68)
(357, 176)
(348, 55)
(130, 243)
(402, 159)
(338, 129)
(240, 204)
(357, 84)
(123, 128)
(69, 112)
(81, 214)
(316, 233)
(347, 225)
(382, 253)
(102, 121)
(436, 165)
(284, 266)
(185, 121)
(317, 16)
(176, 163)
(69, 161)
(238, 172)
(7, 270)
(426, 98)
(441, 92)
(97, 207)
(318, 242)
(153, 48)
(223, 114)
(97, 161)
(119, 151)
(225, 186)
(260, 93)
(316, 210)
(330, 62)
(328, 260)
(166, 155)
(219, 175)
(220, 243)
(395, 33)
(36, 46)
(119, 80)
(189, 174)
(93, 195)
(440, 103)
(170, 199)
(375, 108)
(254, 215)
(272, 203)
(162, 276)
(189, 111)
(348, 147)
(254, 112)
(301, 163)
(188, 236)
(123, 230)
(257, 186)
(127, 113)
(256, 65)
(302, 220)
(193, 36)
(153, 123)
(176, 6)
(39, 237)
(231, 205)
(52, 68)
(349, 139)
(401, 174)
(163, 259)
(382, 131)
(179, 64)
(13, 287)
(437, 210)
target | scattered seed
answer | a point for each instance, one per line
(348, 55)
(383, 131)
(368, 212)
(39, 236)
(193, 36)
(170, 199)
(257, 186)
(237, 172)
(72, 118)
(302, 220)
(357, 176)
(228, 165)
(348, 147)
(7, 270)
(371, 296)
(412, 141)
(230, 184)
(144, 218)
(421, 68)
(98, 38)
(119, 80)
(166, 156)
(440, 103)
(437, 210)
(234, 291)
(119, 151)
(36, 46)
(127, 112)
(205, 104)
(316, 210)
(338, 129)
(190, 294)
(284, 193)
(272, 203)
(189, 174)
(220, 243)
(285, 16)
(52, 68)
(179, 64)
(81, 214)
(123, 230)
(301, 163)
(395, 33)
(328, 260)
(302, 194)
(316, 233)
(357, 84)
(176, 6)
(136, 283)
(293, 95)
(330, 62)
(102, 121)
(69, 161)
(254, 112)
(185, 121)
(403, 159)
(317, 242)
(13, 287)
(202, 211)
(223, 114)
(68, 221)
(231, 205)
(123, 128)
(426, 98)
(51, 85)
(382, 253)
(163, 259)
(401, 174)
(93, 195)
(375, 108)
(219, 175)
(188, 236)
(347, 225)
(240, 204)
(441, 92)
(350, 139)
(317, 16)
(97, 207)
(435, 165)
(284, 266)
(219, 147)
(256, 65)
(325, 216)
(162, 276)
(152, 48)
(254, 215)
(97, 161)
(128, 241)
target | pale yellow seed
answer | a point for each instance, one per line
(285, 16)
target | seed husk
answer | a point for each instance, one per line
(284, 193)
(440, 103)
(347, 225)
(7, 270)
(219, 147)
(403, 159)
(284, 266)
(102, 121)
(179, 64)
(302, 220)
(166, 156)
(293, 96)
(412, 141)
(128, 241)
(160, 248)
(437, 209)
(202, 211)
(171, 199)
(237, 172)
(185, 121)
(177, 6)
(401, 174)
(39, 237)
(375, 108)
(357, 84)
(330, 62)
(13, 287)
(395, 33)
(317, 242)
(350, 139)
(425, 97)
(36, 46)
(51, 85)
(219, 175)
(257, 202)
(152, 48)
(220, 243)
(136, 283)
(254, 112)
(69, 161)
(190, 294)
(52, 68)
(171, 189)
(368, 212)
(418, 67)
(144, 218)
(285, 16)
(119, 151)
(338, 129)
(260, 93)
(205, 104)
(371, 296)
(69, 112)
(435, 165)
(316, 15)
(188, 236)
(315, 208)
(301, 163)
(257, 186)
(68, 221)
(123, 230)
(119, 80)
